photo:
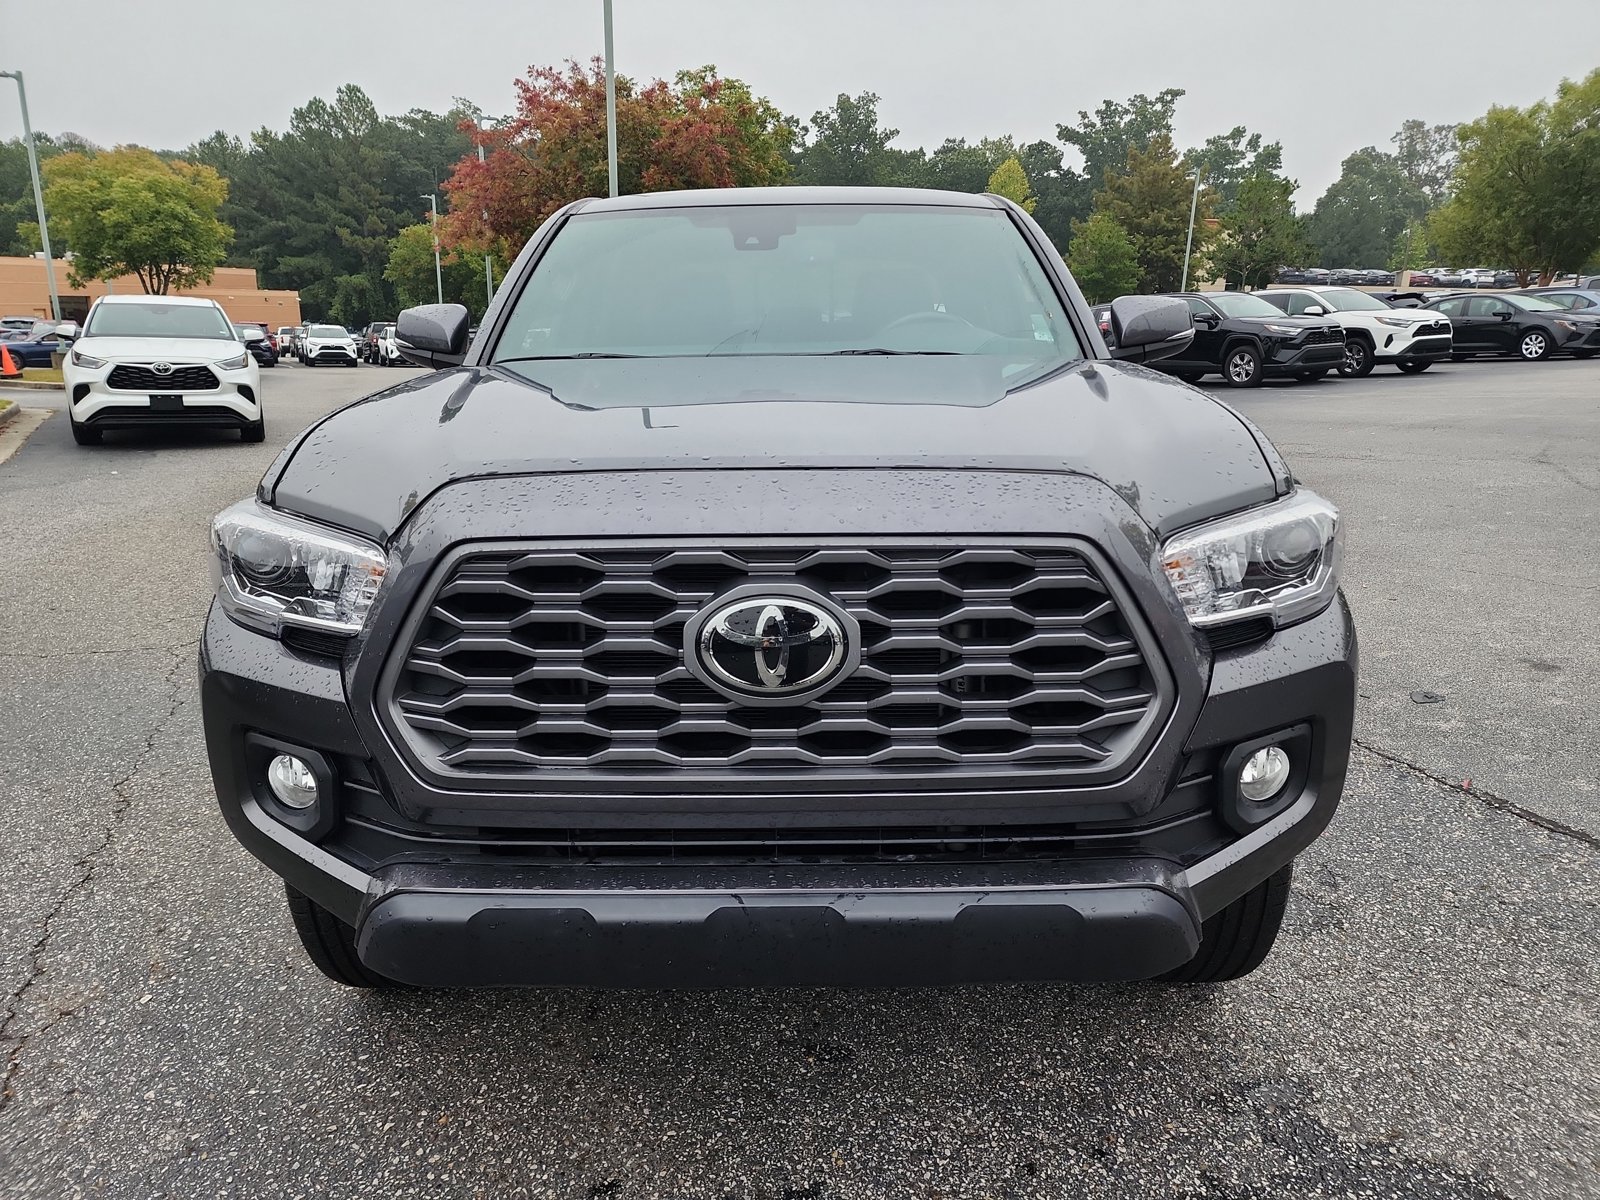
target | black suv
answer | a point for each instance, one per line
(1245, 340)
(1528, 326)
(785, 586)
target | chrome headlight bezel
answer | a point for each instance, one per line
(237, 363)
(273, 571)
(1280, 560)
(87, 361)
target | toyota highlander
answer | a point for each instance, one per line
(783, 587)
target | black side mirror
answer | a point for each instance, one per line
(432, 335)
(1504, 314)
(1149, 327)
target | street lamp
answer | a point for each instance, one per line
(1188, 246)
(438, 275)
(611, 106)
(488, 263)
(38, 194)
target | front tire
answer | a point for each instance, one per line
(256, 431)
(1236, 940)
(85, 436)
(1534, 345)
(1416, 367)
(331, 944)
(1357, 359)
(1241, 367)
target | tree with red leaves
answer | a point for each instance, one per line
(701, 130)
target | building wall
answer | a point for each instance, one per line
(24, 291)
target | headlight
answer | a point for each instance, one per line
(235, 363)
(80, 359)
(1281, 560)
(1397, 322)
(1288, 329)
(273, 570)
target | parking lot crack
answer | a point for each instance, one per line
(1543, 459)
(84, 869)
(1487, 798)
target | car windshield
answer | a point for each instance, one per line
(1533, 303)
(154, 319)
(1350, 300)
(1238, 304)
(327, 331)
(792, 280)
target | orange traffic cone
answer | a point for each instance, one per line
(8, 365)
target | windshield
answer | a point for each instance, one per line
(1350, 300)
(327, 331)
(159, 320)
(789, 280)
(1238, 304)
(1533, 303)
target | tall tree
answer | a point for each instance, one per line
(16, 194)
(1525, 191)
(410, 270)
(699, 131)
(1259, 233)
(960, 167)
(1150, 200)
(1102, 259)
(1228, 159)
(1426, 155)
(1358, 218)
(1009, 181)
(1062, 198)
(1105, 137)
(129, 212)
(845, 146)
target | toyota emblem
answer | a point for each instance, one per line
(762, 646)
(161, 368)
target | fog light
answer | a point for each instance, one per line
(1263, 775)
(293, 783)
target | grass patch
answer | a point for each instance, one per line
(4, 404)
(42, 375)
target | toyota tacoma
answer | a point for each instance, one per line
(782, 587)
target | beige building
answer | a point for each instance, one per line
(24, 291)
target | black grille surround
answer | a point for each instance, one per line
(1323, 336)
(129, 377)
(539, 667)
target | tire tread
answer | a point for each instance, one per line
(1236, 941)
(331, 944)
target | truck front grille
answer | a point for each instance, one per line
(128, 377)
(564, 662)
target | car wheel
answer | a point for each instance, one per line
(1310, 376)
(1188, 376)
(85, 436)
(1534, 345)
(1236, 940)
(256, 431)
(1357, 359)
(331, 944)
(1242, 366)
(1416, 367)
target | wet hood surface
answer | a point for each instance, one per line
(1172, 453)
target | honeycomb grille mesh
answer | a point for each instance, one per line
(971, 659)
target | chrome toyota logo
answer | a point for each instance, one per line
(761, 646)
(161, 368)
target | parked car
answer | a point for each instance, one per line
(1403, 299)
(386, 350)
(1374, 331)
(259, 342)
(328, 345)
(1377, 277)
(1447, 277)
(1529, 327)
(147, 361)
(1421, 279)
(1571, 299)
(18, 324)
(1318, 275)
(1245, 340)
(367, 342)
(39, 342)
(285, 340)
(1292, 275)
(1477, 277)
(550, 699)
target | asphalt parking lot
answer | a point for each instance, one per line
(1426, 1028)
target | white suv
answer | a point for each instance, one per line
(145, 361)
(1413, 339)
(328, 344)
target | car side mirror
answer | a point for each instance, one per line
(1314, 310)
(432, 335)
(67, 330)
(1504, 315)
(1144, 328)
(252, 335)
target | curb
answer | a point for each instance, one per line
(32, 385)
(10, 413)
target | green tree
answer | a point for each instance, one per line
(410, 270)
(1009, 181)
(1356, 221)
(845, 146)
(1524, 193)
(128, 212)
(1426, 155)
(1105, 137)
(1102, 259)
(1150, 200)
(1229, 159)
(1259, 233)
(1062, 198)
(19, 220)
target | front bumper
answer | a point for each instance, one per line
(1285, 357)
(91, 401)
(1398, 348)
(331, 354)
(466, 904)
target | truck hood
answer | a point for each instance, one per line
(1172, 453)
(160, 349)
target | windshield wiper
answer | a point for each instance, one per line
(565, 357)
(882, 350)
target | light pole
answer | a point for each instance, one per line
(488, 263)
(611, 106)
(38, 194)
(1188, 246)
(438, 274)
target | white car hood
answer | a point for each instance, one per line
(151, 350)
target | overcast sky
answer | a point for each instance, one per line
(1322, 79)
